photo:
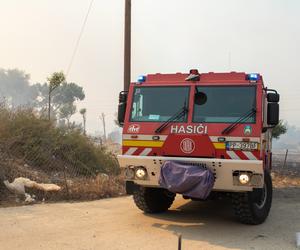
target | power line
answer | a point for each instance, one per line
(79, 38)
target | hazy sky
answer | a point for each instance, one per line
(38, 36)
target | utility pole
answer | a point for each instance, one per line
(127, 45)
(104, 128)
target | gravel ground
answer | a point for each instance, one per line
(118, 224)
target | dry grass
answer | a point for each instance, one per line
(284, 181)
(95, 188)
(77, 189)
(83, 189)
(74, 187)
(286, 175)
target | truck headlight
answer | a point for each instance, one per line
(140, 173)
(244, 178)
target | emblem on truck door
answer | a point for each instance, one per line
(134, 128)
(187, 146)
(247, 130)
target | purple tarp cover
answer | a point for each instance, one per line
(190, 180)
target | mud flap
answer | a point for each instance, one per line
(194, 181)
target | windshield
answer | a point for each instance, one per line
(224, 104)
(158, 104)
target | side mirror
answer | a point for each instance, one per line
(122, 107)
(273, 97)
(273, 113)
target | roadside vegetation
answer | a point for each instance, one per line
(39, 141)
(28, 135)
(35, 148)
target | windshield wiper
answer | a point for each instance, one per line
(184, 110)
(238, 121)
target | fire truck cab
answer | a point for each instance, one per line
(222, 121)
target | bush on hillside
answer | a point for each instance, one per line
(44, 145)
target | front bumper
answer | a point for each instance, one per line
(225, 171)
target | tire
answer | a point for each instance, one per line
(153, 200)
(253, 207)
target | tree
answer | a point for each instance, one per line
(65, 93)
(66, 111)
(15, 88)
(54, 81)
(280, 129)
(83, 113)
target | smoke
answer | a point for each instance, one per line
(15, 88)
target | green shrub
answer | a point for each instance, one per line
(44, 145)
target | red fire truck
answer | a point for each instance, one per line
(222, 121)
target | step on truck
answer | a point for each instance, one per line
(220, 121)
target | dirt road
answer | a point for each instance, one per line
(117, 224)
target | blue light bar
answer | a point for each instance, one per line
(141, 79)
(253, 77)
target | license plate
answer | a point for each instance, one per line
(240, 145)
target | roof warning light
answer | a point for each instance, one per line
(141, 79)
(253, 77)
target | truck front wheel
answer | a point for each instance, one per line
(253, 207)
(153, 200)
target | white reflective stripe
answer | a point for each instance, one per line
(143, 137)
(130, 151)
(231, 138)
(250, 155)
(146, 151)
(233, 155)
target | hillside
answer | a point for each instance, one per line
(37, 149)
